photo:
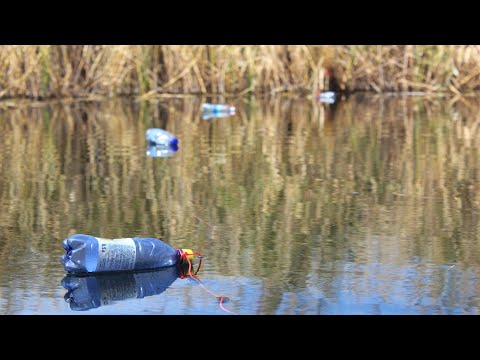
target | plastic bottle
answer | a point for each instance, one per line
(161, 137)
(327, 97)
(217, 109)
(86, 292)
(89, 254)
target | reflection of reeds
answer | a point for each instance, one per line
(288, 189)
(45, 71)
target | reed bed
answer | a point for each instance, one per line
(82, 71)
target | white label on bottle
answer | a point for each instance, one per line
(116, 254)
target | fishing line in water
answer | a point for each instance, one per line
(213, 227)
(220, 298)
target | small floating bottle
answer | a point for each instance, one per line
(162, 138)
(90, 254)
(327, 97)
(216, 110)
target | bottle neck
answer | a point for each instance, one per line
(179, 256)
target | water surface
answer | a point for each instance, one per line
(369, 205)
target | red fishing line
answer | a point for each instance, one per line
(221, 299)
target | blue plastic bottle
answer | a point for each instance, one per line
(89, 254)
(86, 292)
(160, 137)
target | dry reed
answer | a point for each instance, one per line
(58, 71)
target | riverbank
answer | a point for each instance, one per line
(42, 72)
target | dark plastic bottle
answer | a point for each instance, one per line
(88, 254)
(86, 292)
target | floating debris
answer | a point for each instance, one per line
(161, 137)
(327, 97)
(210, 111)
(161, 143)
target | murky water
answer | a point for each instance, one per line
(366, 206)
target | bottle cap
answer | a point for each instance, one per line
(174, 144)
(189, 253)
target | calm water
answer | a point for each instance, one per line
(366, 206)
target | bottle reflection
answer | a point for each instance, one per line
(86, 292)
(208, 116)
(154, 150)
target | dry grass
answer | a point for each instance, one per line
(44, 71)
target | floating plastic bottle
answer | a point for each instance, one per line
(90, 254)
(327, 97)
(85, 292)
(162, 138)
(216, 110)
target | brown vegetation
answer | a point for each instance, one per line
(48, 71)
